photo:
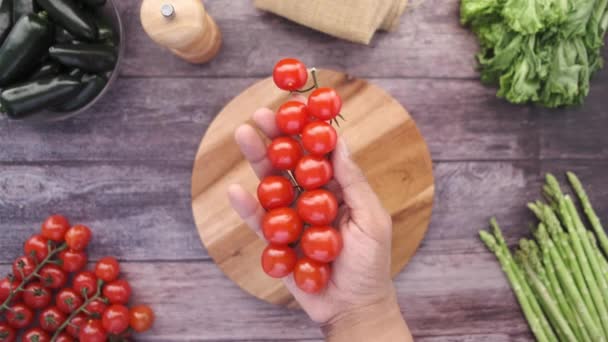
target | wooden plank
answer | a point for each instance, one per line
(463, 294)
(164, 119)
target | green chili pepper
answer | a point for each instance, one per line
(24, 47)
(72, 17)
(62, 36)
(23, 7)
(88, 57)
(27, 98)
(46, 70)
(94, 3)
(105, 32)
(76, 73)
(92, 86)
(6, 18)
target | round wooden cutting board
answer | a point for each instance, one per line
(383, 139)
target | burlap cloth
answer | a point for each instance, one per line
(354, 20)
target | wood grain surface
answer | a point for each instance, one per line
(125, 167)
(375, 126)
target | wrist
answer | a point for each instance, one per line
(379, 321)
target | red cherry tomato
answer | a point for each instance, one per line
(36, 247)
(96, 308)
(117, 292)
(107, 269)
(92, 331)
(322, 244)
(7, 334)
(311, 276)
(72, 261)
(324, 104)
(284, 153)
(19, 316)
(7, 285)
(78, 237)
(282, 226)
(313, 172)
(54, 227)
(141, 318)
(52, 276)
(64, 337)
(23, 267)
(36, 296)
(51, 318)
(76, 324)
(278, 261)
(291, 117)
(85, 282)
(68, 300)
(319, 138)
(290, 74)
(115, 319)
(275, 192)
(36, 335)
(317, 207)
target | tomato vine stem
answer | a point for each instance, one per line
(82, 308)
(313, 72)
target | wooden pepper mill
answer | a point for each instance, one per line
(183, 26)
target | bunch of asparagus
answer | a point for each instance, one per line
(560, 277)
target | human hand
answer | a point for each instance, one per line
(360, 283)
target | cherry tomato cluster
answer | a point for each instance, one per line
(50, 297)
(301, 154)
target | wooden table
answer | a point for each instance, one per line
(124, 169)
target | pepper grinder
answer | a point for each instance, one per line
(183, 26)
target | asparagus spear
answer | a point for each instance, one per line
(549, 304)
(508, 268)
(600, 256)
(591, 215)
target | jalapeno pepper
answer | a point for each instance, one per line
(72, 17)
(62, 36)
(88, 57)
(23, 7)
(6, 18)
(27, 98)
(24, 47)
(46, 70)
(92, 85)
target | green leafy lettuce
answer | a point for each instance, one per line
(540, 51)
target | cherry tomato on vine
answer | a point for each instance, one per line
(54, 228)
(85, 282)
(275, 192)
(141, 318)
(107, 269)
(278, 261)
(313, 172)
(76, 324)
(52, 276)
(117, 292)
(68, 300)
(36, 296)
(115, 319)
(23, 267)
(51, 318)
(36, 335)
(78, 237)
(7, 334)
(19, 316)
(64, 337)
(319, 138)
(36, 247)
(7, 285)
(324, 104)
(96, 308)
(290, 74)
(317, 207)
(284, 153)
(322, 244)
(72, 261)
(282, 226)
(311, 276)
(92, 331)
(291, 117)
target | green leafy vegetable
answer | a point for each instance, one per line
(540, 51)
